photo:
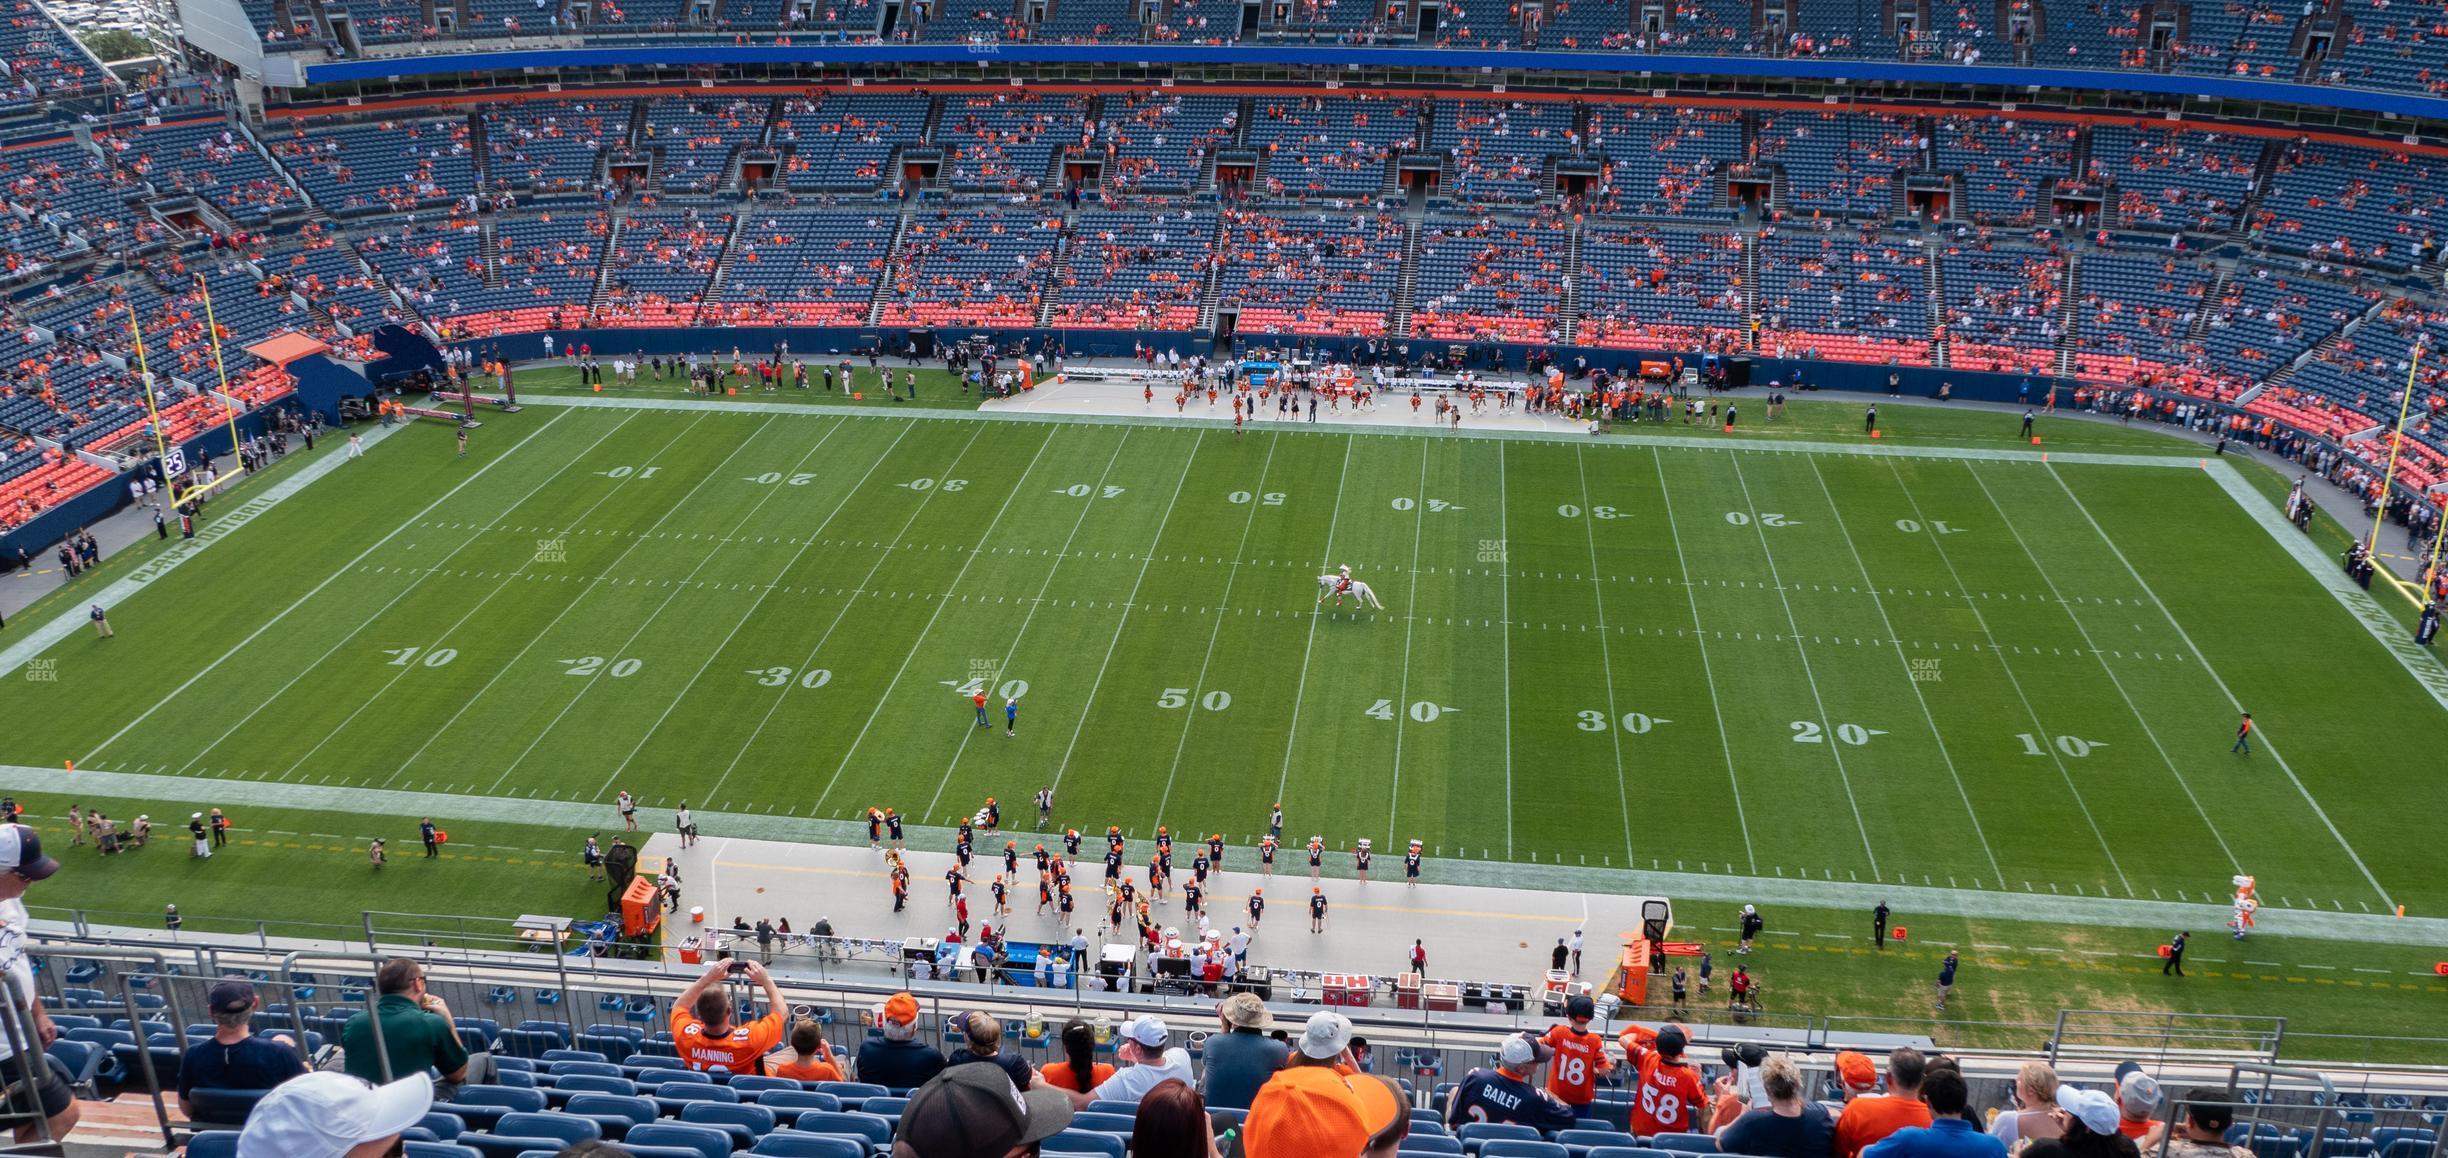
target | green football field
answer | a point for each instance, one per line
(1985, 671)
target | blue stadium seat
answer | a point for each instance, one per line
(1108, 1123)
(1477, 1134)
(1430, 1144)
(481, 1106)
(704, 1140)
(1582, 1141)
(884, 1107)
(567, 1128)
(657, 1075)
(1687, 1143)
(877, 1131)
(441, 1150)
(794, 1144)
(1622, 1152)
(78, 1062)
(443, 1126)
(853, 1094)
(787, 1105)
(492, 1145)
(673, 1096)
(745, 1123)
(1520, 1148)
(614, 1114)
(217, 1144)
(1086, 1142)
(224, 1107)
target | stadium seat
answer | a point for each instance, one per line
(876, 1130)
(794, 1144)
(1477, 1134)
(674, 1096)
(481, 1106)
(853, 1094)
(440, 1150)
(787, 1105)
(492, 1145)
(1621, 1152)
(745, 1123)
(568, 1128)
(217, 1144)
(614, 1114)
(1121, 1124)
(1686, 1143)
(224, 1107)
(1086, 1142)
(1519, 1148)
(78, 1062)
(1431, 1144)
(749, 1085)
(441, 1125)
(884, 1107)
(1582, 1141)
(704, 1140)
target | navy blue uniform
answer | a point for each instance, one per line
(1490, 1096)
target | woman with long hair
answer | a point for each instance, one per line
(1079, 1069)
(1172, 1123)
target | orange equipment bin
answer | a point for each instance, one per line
(641, 908)
(1631, 980)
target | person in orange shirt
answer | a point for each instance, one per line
(810, 1058)
(1577, 1058)
(702, 1026)
(1669, 1098)
(1079, 1069)
(1868, 1117)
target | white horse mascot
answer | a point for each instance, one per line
(1332, 586)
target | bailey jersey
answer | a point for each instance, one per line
(1490, 1096)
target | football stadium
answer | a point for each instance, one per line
(1292, 579)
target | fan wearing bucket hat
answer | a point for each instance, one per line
(21, 864)
(1145, 1043)
(1318, 1104)
(1503, 1093)
(1242, 1058)
(974, 1111)
(329, 1115)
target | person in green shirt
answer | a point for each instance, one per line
(417, 1031)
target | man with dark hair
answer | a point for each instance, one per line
(234, 1058)
(703, 1028)
(417, 1032)
(1872, 1118)
(2202, 1130)
(1951, 1132)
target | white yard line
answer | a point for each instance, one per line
(1708, 675)
(1300, 689)
(1835, 748)
(1026, 617)
(2267, 745)
(2418, 661)
(839, 612)
(1419, 531)
(763, 593)
(1938, 735)
(1606, 655)
(942, 601)
(1504, 572)
(1129, 603)
(1198, 686)
(2105, 667)
(532, 639)
(703, 557)
(351, 565)
(254, 505)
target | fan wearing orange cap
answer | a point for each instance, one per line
(1318, 1104)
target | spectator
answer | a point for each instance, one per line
(895, 1058)
(1079, 1069)
(1788, 1126)
(2203, 1132)
(417, 1032)
(1172, 1123)
(327, 1115)
(1504, 1094)
(2035, 1097)
(973, 1112)
(1152, 1060)
(21, 864)
(2137, 1105)
(702, 1026)
(982, 1041)
(2088, 1119)
(1872, 1117)
(234, 1058)
(1670, 1097)
(1243, 1057)
(1315, 1105)
(811, 1059)
(1950, 1134)
(1387, 1142)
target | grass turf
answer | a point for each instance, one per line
(1606, 653)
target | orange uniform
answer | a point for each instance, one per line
(741, 1051)
(1668, 1098)
(1580, 1060)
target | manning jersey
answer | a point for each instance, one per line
(1580, 1057)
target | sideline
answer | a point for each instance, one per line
(1973, 904)
(69, 620)
(1330, 426)
(2427, 668)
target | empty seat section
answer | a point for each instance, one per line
(1331, 147)
(1645, 286)
(1664, 162)
(1501, 149)
(1135, 270)
(1006, 141)
(846, 141)
(979, 267)
(1311, 273)
(1489, 281)
(1157, 142)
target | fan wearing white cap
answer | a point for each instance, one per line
(21, 864)
(1504, 1094)
(332, 1115)
(1145, 1043)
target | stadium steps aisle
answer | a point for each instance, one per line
(124, 1125)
